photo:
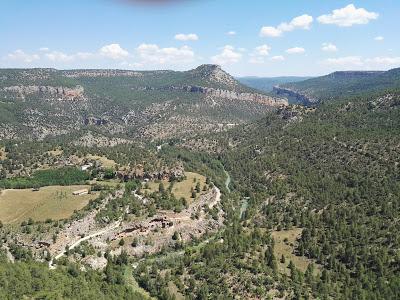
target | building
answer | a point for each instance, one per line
(80, 192)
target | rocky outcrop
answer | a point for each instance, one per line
(95, 121)
(100, 73)
(233, 95)
(214, 73)
(60, 92)
(299, 96)
(138, 172)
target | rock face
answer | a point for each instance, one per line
(299, 96)
(62, 93)
(165, 173)
(95, 121)
(100, 73)
(234, 95)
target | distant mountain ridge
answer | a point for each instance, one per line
(36, 103)
(266, 84)
(339, 84)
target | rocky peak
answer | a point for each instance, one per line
(214, 73)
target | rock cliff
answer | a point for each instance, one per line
(299, 96)
(62, 93)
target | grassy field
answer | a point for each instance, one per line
(54, 202)
(180, 189)
(285, 241)
(107, 163)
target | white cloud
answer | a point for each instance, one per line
(227, 56)
(383, 61)
(379, 38)
(295, 50)
(152, 53)
(21, 56)
(374, 63)
(347, 61)
(231, 32)
(348, 16)
(114, 51)
(329, 47)
(44, 49)
(186, 37)
(259, 53)
(262, 50)
(277, 58)
(269, 31)
(57, 56)
(84, 55)
(300, 22)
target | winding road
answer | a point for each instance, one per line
(78, 242)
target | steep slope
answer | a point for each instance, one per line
(325, 182)
(339, 84)
(152, 104)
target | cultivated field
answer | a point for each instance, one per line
(180, 189)
(52, 202)
(284, 245)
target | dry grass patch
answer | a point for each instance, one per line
(56, 152)
(180, 189)
(285, 242)
(52, 202)
(106, 163)
(3, 153)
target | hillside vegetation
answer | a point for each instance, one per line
(340, 84)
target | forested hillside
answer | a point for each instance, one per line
(39, 103)
(332, 176)
(340, 84)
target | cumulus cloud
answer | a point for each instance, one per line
(301, 22)
(277, 58)
(44, 49)
(153, 54)
(347, 61)
(259, 53)
(57, 56)
(379, 38)
(329, 47)
(262, 50)
(114, 51)
(348, 16)
(227, 56)
(231, 32)
(186, 37)
(352, 62)
(21, 56)
(383, 61)
(269, 31)
(295, 50)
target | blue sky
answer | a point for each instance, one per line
(259, 37)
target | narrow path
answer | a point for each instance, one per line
(228, 180)
(78, 242)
